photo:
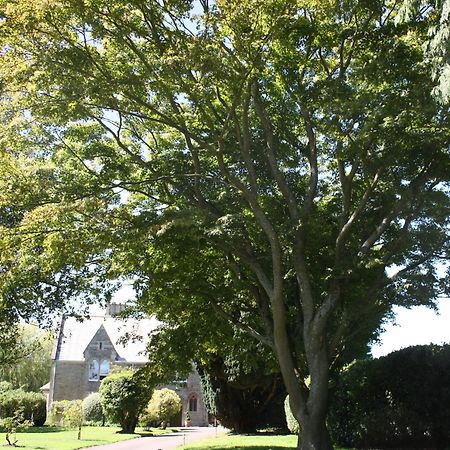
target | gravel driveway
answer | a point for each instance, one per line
(166, 441)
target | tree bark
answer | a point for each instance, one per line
(313, 434)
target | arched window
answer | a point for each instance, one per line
(104, 369)
(93, 370)
(193, 403)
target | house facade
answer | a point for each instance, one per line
(86, 350)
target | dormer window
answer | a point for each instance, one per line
(94, 371)
(104, 369)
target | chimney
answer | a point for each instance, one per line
(114, 309)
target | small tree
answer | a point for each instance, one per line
(12, 424)
(123, 396)
(163, 405)
(73, 416)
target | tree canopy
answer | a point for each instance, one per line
(26, 358)
(268, 161)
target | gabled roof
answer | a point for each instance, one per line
(99, 336)
(76, 336)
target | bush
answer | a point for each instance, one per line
(5, 386)
(123, 396)
(92, 408)
(67, 413)
(73, 414)
(291, 421)
(11, 425)
(397, 401)
(164, 405)
(31, 404)
(56, 413)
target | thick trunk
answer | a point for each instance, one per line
(128, 425)
(312, 413)
(314, 435)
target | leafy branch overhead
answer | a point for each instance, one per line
(262, 164)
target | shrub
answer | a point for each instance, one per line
(291, 421)
(56, 413)
(5, 386)
(67, 413)
(31, 404)
(11, 424)
(92, 408)
(73, 416)
(164, 405)
(123, 396)
(397, 401)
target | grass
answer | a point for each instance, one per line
(54, 438)
(246, 442)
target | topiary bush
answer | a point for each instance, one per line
(31, 404)
(123, 396)
(92, 408)
(164, 405)
(397, 401)
(292, 424)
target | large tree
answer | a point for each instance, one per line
(293, 147)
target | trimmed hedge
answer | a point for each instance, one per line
(32, 404)
(398, 401)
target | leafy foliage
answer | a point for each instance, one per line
(123, 396)
(260, 163)
(164, 405)
(92, 408)
(12, 424)
(394, 401)
(73, 416)
(243, 400)
(27, 361)
(31, 405)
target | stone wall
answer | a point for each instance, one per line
(69, 382)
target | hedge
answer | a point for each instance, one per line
(32, 404)
(397, 401)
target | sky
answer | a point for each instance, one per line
(416, 326)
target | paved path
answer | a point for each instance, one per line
(166, 441)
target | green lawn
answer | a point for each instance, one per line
(243, 442)
(53, 438)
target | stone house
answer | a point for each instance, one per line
(85, 351)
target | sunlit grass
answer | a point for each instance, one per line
(53, 438)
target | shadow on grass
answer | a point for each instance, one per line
(156, 434)
(42, 430)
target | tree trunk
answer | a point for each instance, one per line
(129, 425)
(314, 435)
